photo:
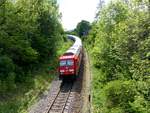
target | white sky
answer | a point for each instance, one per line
(73, 11)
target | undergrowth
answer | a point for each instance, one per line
(28, 92)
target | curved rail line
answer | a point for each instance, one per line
(60, 100)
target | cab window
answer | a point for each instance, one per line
(62, 62)
(70, 62)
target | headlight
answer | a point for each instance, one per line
(62, 71)
(71, 70)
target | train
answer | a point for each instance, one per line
(70, 61)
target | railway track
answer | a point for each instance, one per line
(60, 99)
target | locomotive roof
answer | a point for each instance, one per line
(67, 57)
(76, 47)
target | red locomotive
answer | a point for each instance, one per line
(69, 62)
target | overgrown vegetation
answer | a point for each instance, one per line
(82, 29)
(30, 36)
(27, 93)
(119, 43)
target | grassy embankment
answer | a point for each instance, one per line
(28, 93)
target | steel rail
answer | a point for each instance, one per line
(59, 94)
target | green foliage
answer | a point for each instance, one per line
(29, 34)
(6, 66)
(20, 100)
(83, 28)
(118, 94)
(72, 32)
(120, 42)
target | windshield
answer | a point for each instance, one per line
(69, 62)
(66, 62)
(62, 62)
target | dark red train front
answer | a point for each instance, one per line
(69, 62)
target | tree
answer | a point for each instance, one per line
(83, 28)
(30, 31)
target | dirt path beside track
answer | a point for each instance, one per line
(86, 90)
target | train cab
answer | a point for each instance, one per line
(67, 66)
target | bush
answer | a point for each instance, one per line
(118, 94)
(6, 67)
